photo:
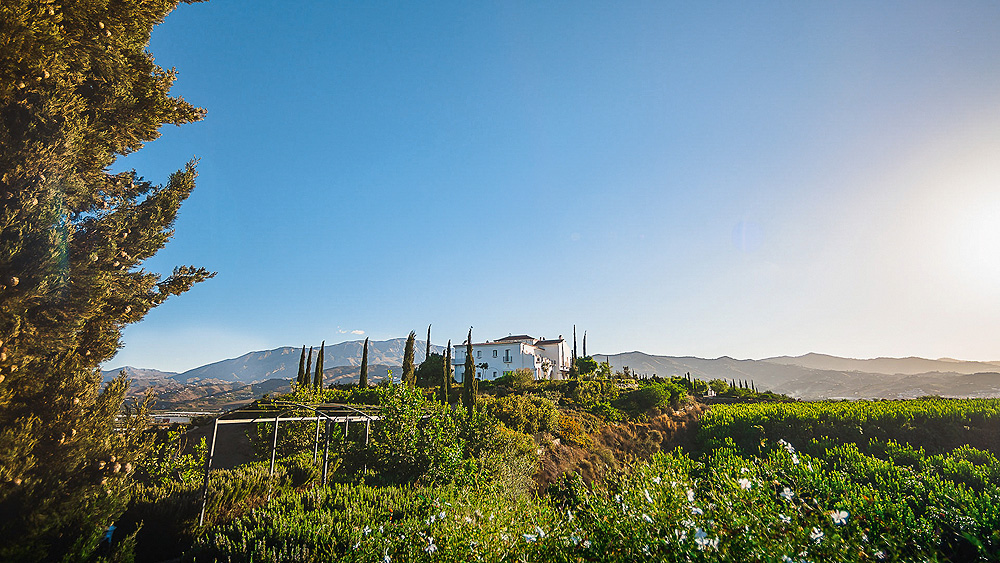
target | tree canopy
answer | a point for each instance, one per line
(77, 89)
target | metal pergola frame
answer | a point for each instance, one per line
(340, 413)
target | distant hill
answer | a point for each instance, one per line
(817, 376)
(888, 366)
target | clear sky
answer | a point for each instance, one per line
(680, 178)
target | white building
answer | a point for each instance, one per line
(547, 359)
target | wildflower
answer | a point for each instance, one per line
(366, 531)
(696, 510)
(816, 535)
(575, 539)
(784, 519)
(618, 499)
(540, 532)
(702, 540)
(687, 523)
(647, 518)
(529, 537)
(745, 483)
(879, 554)
(787, 494)
(744, 470)
(788, 447)
(431, 548)
(786, 559)
(386, 558)
(795, 459)
(586, 544)
(681, 535)
(569, 515)
(649, 499)
(441, 515)
(656, 480)
(839, 517)
(690, 494)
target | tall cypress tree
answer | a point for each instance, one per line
(446, 375)
(409, 375)
(363, 379)
(469, 377)
(584, 344)
(427, 355)
(302, 367)
(318, 378)
(309, 363)
(78, 88)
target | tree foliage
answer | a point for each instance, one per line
(469, 387)
(363, 377)
(409, 374)
(77, 89)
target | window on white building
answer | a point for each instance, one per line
(506, 355)
(479, 353)
(494, 353)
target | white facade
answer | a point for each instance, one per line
(547, 359)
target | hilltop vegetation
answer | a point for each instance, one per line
(589, 470)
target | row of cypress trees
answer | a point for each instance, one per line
(470, 385)
(305, 367)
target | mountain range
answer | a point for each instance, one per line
(811, 376)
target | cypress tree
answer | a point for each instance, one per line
(77, 89)
(584, 344)
(363, 379)
(318, 378)
(409, 375)
(469, 377)
(446, 375)
(309, 363)
(302, 367)
(428, 354)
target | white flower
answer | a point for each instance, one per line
(441, 515)
(656, 480)
(681, 535)
(575, 539)
(696, 510)
(816, 535)
(540, 532)
(744, 470)
(786, 559)
(702, 541)
(787, 494)
(690, 494)
(647, 518)
(839, 517)
(431, 548)
(387, 559)
(569, 515)
(795, 459)
(745, 483)
(879, 554)
(784, 519)
(687, 523)
(586, 543)
(788, 447)
(649, 499)
(529, 537)
(618, 499)
(366, 531)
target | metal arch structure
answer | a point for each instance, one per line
(330, 413)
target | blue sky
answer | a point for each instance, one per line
(678, 178)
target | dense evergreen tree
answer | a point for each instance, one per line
(428, 353)
(318, 378)
(428, 373)
(409, 376)
(309, 364)
(585, 344)
(77, 90)
(363, 379)
(302, 368)
(446, 375)
(469, 385)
